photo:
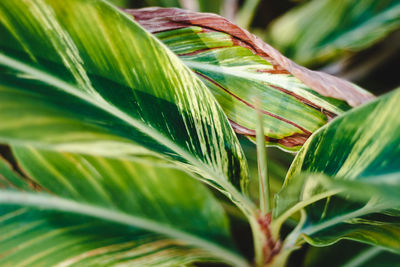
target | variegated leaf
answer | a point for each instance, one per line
(83, 76)
(239, 68)
(98, 211)
(358, 157)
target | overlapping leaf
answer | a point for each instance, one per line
(103, 211)
(320, 30)
(239, 68)
(82, 76)
(359, 150)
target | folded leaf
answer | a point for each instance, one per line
(359, 150)
(238, 68)
(321, 30)
(136, 206)
(83, 76)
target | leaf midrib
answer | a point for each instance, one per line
(96, 100)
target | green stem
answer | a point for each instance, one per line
(258, 240)
(263, 178)
(281, 259)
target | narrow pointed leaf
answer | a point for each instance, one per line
(83, 76)
(359, 150)
(238, 68)
(321, 30)
(157, 202)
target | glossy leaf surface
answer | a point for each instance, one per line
(82, 76)
(359, 150)
(320, 30)
(239, 68)
(96, 210)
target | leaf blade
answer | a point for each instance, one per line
(237, 66)
(181, 209)
(70, 65)
(350, 152)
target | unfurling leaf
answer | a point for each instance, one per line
(238, 67)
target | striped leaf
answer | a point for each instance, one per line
(82, 76)
(99, 211)
(359, 153)
(11, 179)
(238, 68)
(34, 237)
(321, 30)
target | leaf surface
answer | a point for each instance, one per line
(239, 68)
(357, 155)
(84, 77)
(94, 210)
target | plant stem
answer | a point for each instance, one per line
(264, 188)
(258, 240)
(281, 259)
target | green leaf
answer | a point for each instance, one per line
(37, 237)
(385, 187)
(352, 254)
(84, 77)
(131, 205)
(321, 30)
(120, 3)
(11, 179)
(213, 6)
(357, 154)
(164, 3)
(239, 68)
